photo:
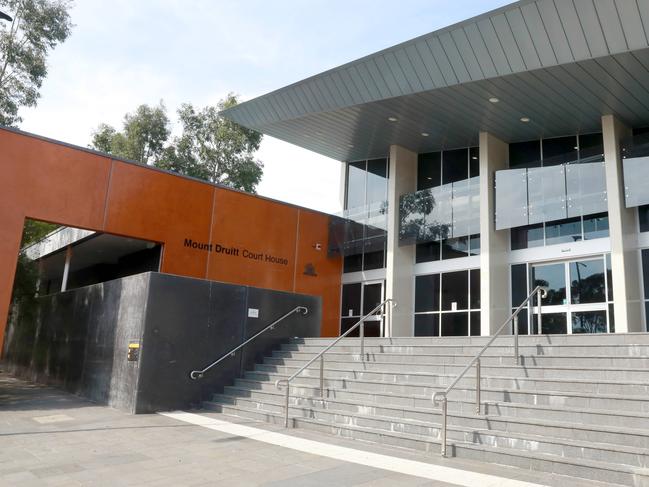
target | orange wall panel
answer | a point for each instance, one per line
(152, 205)
(255, 231)
(313, 230)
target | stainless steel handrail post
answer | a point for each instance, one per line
(362, 334)
(516, 355)
(441, 397)
(322, 376)
(477, 386)
(539, 298)
(320, 355)
(198, 374)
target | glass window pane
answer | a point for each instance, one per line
(564, 231)
(591, 148)
(522, 321)
(372, 297)
(611, 318)
(596, 226)
(346, 324)
(586, 188)
(427, 325)
(511, 198)
(374, 260)
(453, 248)
(589, 322)
(351, 300)
(474, 162)
(645, 272)
(475, 323)
(525, 154)
(455, 324)
(519, 284)
(554, 324)
(560, 150)
(587, 281)
(429, 170)
(427, 293)
(609, 277)
(546, 190)
(475, 289)
(428, 252)
(527, 237)
(353, 263)
(461, 207)
(553, 276)
(643, 211)
(474, 244)
(455, 290)
(636, 181)
(377, 181)
(455, 165)
(438, 214)
(355, 184)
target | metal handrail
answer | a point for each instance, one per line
(360, 323)
(442, 396)
(198, 374)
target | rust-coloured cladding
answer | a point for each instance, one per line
(273, 242)
(315, 272)
(156, 206)
(257, 240)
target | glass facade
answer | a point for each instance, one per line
(635, 164)
(443, 216)
(552, 179)
(645, 279)
(448, 304)
(643, 213)
(357, 300)
(560, 232)
(359, 234)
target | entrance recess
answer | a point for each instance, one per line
(358, 300)
(577, 296)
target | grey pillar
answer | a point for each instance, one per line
(625, 258)
(494, 245)
(400, 260)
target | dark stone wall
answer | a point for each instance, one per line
(79, 339)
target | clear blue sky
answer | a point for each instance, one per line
(123, 53)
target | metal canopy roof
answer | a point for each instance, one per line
(561, 63)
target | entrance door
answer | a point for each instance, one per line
(576, 301)
(359, 299)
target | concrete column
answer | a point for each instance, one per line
(400, 284)
(625, 258)
(66, 268)
(494, 245)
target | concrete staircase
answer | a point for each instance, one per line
(578, 405)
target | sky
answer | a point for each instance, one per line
(123, 53)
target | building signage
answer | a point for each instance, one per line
(233, 251)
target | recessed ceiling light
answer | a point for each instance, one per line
(576, 148)
(425, 134)
(525, 119)
(474, 157)
(428, 177)
(393, 119)
(493, 99)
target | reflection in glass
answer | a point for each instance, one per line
(636, 181)
(377, 181)
(586, 188)
(355, 184)
(429, 170)
(474, 244)
(589, 322)
(455, 324)
(596, 226)
(454, 248)
(553, 323)
(587, 283)
(552, 276)
(565, 231)
(527, 236)
(427, 325)
(560, 150)
(455, 290)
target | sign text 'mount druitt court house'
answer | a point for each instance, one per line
(491, 265)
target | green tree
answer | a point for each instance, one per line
(37, 27)
(143, 136)
(214, 148)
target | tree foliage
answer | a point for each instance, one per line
(37, 27)
(143, 136)
(209, 147)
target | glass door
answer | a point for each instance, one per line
(576, 301)
(358, 299)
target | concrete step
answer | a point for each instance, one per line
(636, 438)
(588, 339)
(542, 397)
(585, 361)
(415, 382)
(584, 468)
(425, 371)
(497, 349)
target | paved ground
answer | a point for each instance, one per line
(51, 438)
